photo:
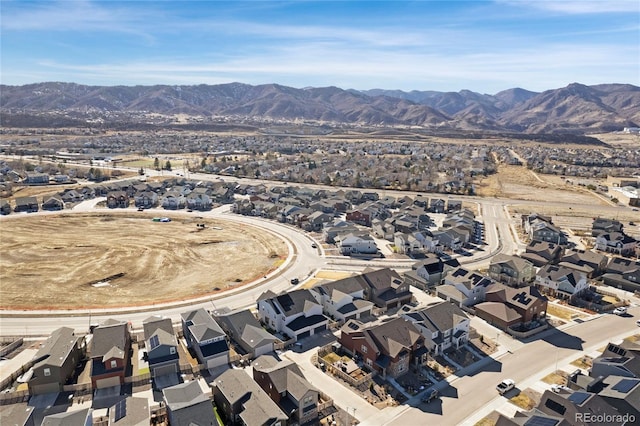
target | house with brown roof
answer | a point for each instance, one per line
(512, 270)
(623, 273)
(388, 347)
(285, 384)
(506, 307)
(589, 262)
(542, 252)
(464, 287)
(117, 199)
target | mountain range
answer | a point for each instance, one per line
(576, 108)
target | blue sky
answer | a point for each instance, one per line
(484, 46)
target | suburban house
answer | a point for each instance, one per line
(623, 273)
(162, 349)
(619, 360)
(146, 199)
(55, 361)
(512, 270)
(383, 229)
(463, 287)
(173, 201)
(72, 196)
(542, 252)
(343, 300)
(602, 225)
(241, 401)
(560, 281)
(199, 201)
(507, 307)
(361, 217)
(385, 288)
(188, 405)
(443, 325)
(110, 353)
(245, 330)
(573, 405)
(616, 243)
(448, 239)
(351, 244)
(52, 202)
(131, 411)
(296, 314)
(117, 199)
(541, 228)
(26, 204)
(82, 417)
(387, 347)
(206, 338)
(285, 384)
(589, 262)
(429, 272)
(316, 221)
(407, 243)
(37, 179)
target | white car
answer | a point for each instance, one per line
(620, 311)
(560, 388)
(505, 386)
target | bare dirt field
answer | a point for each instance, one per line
(520, 183)
(101, 260)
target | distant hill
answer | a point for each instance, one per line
(573, 109)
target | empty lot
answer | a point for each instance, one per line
(101, 260)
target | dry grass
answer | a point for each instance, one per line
(490, 420)
(56, 261)
(561, 312)
(584, 362)
(557, 378)
(333, 275)
(633, 339)
(524, 400)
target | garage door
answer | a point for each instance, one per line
(108, 382)
(167, 369)
(46, 388)
(303, 335)
(320, 329)
(217, 361)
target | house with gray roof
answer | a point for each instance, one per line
(617, 243)
(52, 202)
(188, 405)
(110, 353)
(55, 361)
(443, 325)
(343, 300)
(285, 384)
(296, 314)
(560, 281)
(82, 417)
(131, 411)
(246, 331)
(241, 401)
(385, 288)
(26, 204)
(623, 273)
(17, 414)
(512, 270)
(589, 262)
(542, 252)
(619, 360)
(161, 348)
(206, 338)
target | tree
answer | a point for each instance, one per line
(156, 163)
(141, 171)
(167, 165)
(203, 162)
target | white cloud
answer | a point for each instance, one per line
(578, 7)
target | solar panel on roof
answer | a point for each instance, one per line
(541, 421)
(121, 410)
(625, 385)
(579, 397)
(154, 341)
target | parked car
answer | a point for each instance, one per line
(505, 386)
(314, 245)
(295, 281)
(638, 323)
(620, 310)
(560, 388)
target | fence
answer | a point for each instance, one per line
(14, 397)
(240, 358)
(7, 381)
(11, 346)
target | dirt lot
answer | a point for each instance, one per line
(520, 183)
(97, 260)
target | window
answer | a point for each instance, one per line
(172, 350)
(47, 372)
(364, 349)
(114, 363)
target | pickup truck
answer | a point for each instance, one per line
(505, 386)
